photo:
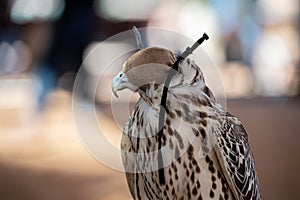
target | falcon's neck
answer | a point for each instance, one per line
(152, 94)
(188, 80)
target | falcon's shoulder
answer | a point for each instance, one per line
(236, 159)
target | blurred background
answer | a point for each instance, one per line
(254, 44)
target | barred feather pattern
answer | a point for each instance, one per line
(206, 150)
(234, 154)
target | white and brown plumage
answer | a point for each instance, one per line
(206, 149)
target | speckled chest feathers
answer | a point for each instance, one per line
(205, 150)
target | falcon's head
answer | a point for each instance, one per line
(149, 65)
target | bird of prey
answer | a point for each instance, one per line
(206, 150)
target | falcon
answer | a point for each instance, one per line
(205, 149)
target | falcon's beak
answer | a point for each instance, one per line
(119, 83)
